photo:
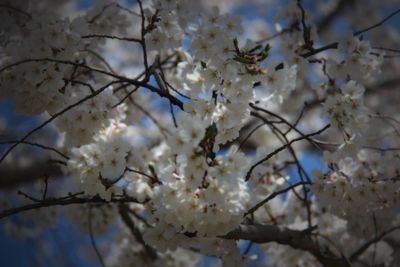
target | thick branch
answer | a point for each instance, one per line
(12, 175)
(296, 239)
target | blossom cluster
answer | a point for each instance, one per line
(182, 162)
(359, 188)
(346, 109)
(97, 165)
(359, 62)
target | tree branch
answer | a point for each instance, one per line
(356, 254)
(271, 196)
(104, 36)
(44, 147)
(276, 151)
(69, 200)
(18, 10)
(296, 239)
(120, 78)
(12, 175)
(93, 242)
(124, 212)
(54, 116)
(377, 24)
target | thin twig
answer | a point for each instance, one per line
(123, 211)
(249, 135)
(270, 197)
(46, 185)
(16, 10)
(92, 241)
(152, 178)
(53, 117)
(63, 201)
(276, 151)
(143, 40)
(105, 36)
(36, 145)
(354, 256)
(283, 120)
(377, 24)
(136, 82)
